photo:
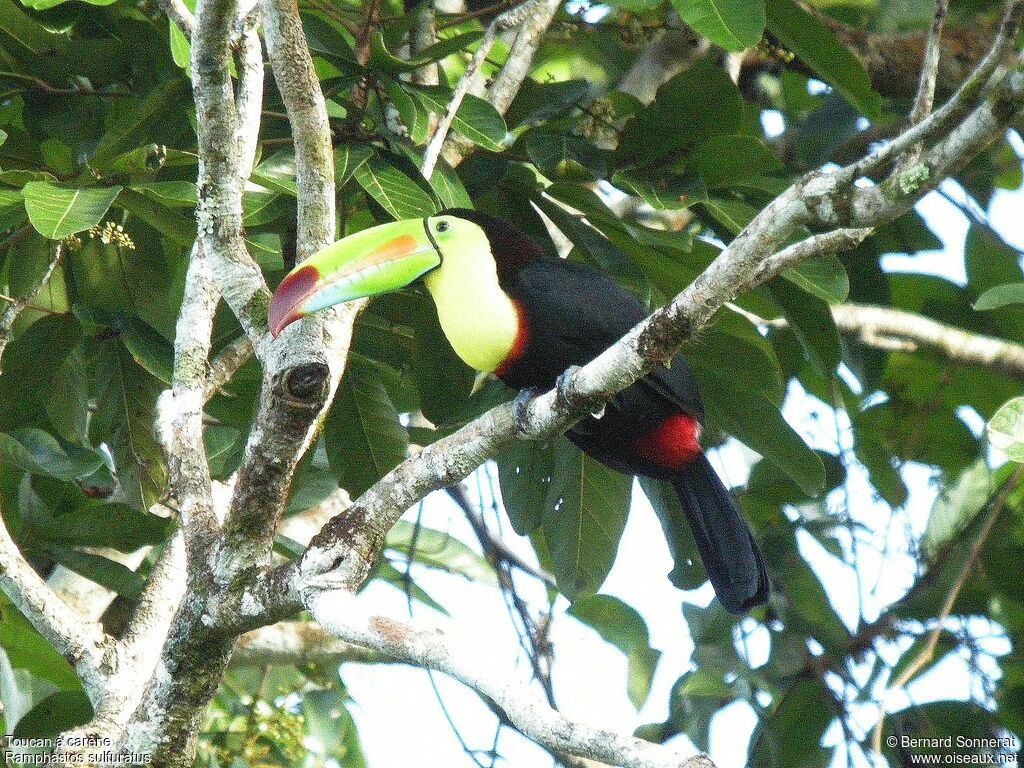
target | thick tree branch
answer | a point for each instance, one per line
(302, 369)
(458, 654)
(191, 661)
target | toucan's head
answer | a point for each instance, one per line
(391, 256)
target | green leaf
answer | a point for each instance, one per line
(524, 474)
(364, 438)
(448, 187)
(125, 412)
(105, 572)
(687, 570)
(725, 161)
(689, 109)
(58, 712)
(26, 649)
(818, 47)
(414, 116)
(129, 120)
(149, 349)
(798, 716)
(66, 399)
(395, 192)
(1000, 296)
(326, 40)
(26, 31)
(57, 212)
(584, 514)
(347, 158)
(329, 722)
(560, 155)
(621, 625)
(59, 513)
(181, 48)
(476, 119)
(1006, 429)
(955, 508)
(38, 452)
(381, 58)
(440, 550)
(277, 172)
(755, 421)
(812, 323)
(172, 194)
(175, 226)
(731, 24)
(824, 277)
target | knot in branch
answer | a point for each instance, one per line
(305, 384)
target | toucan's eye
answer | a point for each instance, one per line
(442, 226)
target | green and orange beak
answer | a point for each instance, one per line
(377, 260)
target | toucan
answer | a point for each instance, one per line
(509, 309)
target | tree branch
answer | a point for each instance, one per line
(80, 642)
(882, 326)
(340, 556)
(298, 643)
(14, 308)
(533, 18)
(458, 654)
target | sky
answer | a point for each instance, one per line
(589, 675)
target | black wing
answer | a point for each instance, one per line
(574, 312)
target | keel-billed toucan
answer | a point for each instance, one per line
(508, 309)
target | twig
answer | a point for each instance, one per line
(817, 245)
(14, 308)
(941, 118)
(926, 88)
(928, 652)
(490, 543)
(298, 643)
(505, 21)
(179, 14)
(180, 413)
(226, 364)
(877, 326)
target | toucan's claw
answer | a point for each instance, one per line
(521, 408)
(565, 384)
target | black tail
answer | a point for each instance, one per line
(730, 554)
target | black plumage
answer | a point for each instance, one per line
(570, 313)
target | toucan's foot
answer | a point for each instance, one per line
(521, 405)
(565, 384)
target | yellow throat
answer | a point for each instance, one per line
(479, 319)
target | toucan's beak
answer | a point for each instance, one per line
(377, 260)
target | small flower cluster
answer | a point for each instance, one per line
(597, 122)
(112, 234)
(774, 51)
